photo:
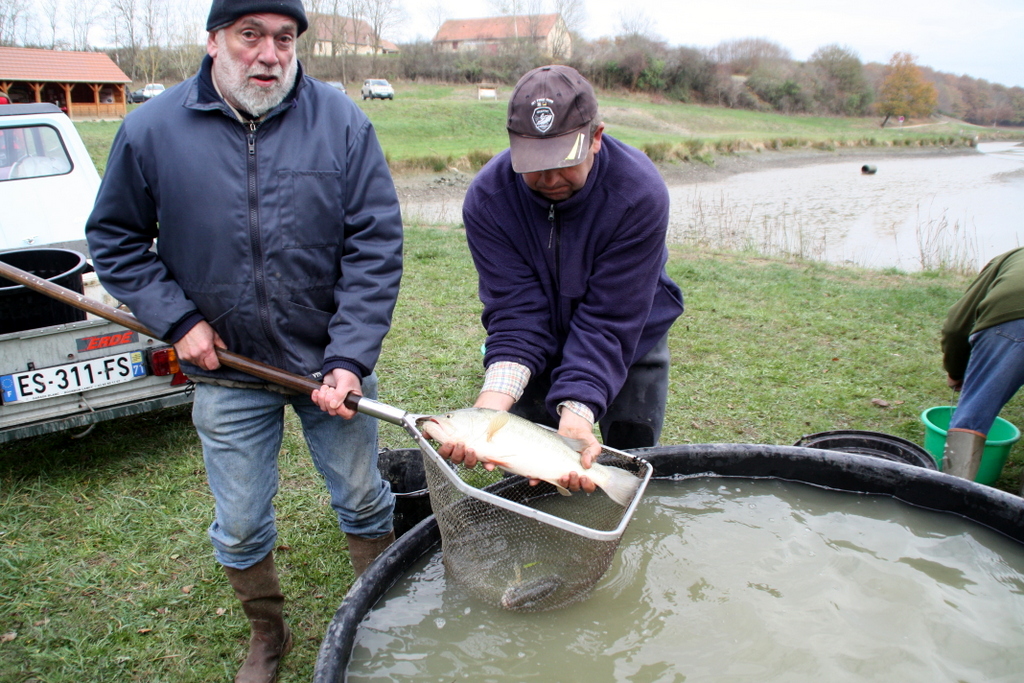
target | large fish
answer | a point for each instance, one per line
(521, 447)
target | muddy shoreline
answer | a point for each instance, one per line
(450, 186)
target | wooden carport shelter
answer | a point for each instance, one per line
(84, 84)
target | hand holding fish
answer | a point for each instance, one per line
(578, 428)
(461, 454)
(571, 426)
(498, 438)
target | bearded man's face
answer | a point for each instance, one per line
(254, 61)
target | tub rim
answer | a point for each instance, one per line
(853, 473)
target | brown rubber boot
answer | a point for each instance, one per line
(260, 594)
(962, 455)
(362, 551)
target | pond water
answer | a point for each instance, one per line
(915, 212)
(735, 580)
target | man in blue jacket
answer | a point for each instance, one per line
(567, 231)
(278, 236)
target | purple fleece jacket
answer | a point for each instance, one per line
(576, 288)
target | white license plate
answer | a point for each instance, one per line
(72, 378)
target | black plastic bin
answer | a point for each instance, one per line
(876, 444)
(24, 309)
(403, 469)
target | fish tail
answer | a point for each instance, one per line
(620, 486)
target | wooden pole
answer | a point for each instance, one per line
(249, 366)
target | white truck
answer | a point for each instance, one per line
(59, 367)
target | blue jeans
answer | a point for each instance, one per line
(241, 431)
(995, 371)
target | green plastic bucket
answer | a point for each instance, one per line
(997, 446)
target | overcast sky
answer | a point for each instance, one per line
(980, 38)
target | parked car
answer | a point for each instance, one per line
(377, 88)
(338, 85)
(148, 92)
(60, 368)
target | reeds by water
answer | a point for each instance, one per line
(714, 223)
(946, 246)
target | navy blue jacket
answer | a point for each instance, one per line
(285, 235)
(577, 287)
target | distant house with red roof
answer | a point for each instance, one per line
(547, 31)
(83, 84)
(336, 35)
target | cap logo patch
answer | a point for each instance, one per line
(543, 118)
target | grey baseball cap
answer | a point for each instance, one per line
(549, 117)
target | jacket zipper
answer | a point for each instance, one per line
(555, 240)
(551, 220)
(256, 244)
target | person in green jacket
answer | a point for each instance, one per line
(983, 354)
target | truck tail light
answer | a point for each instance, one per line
(164, 361)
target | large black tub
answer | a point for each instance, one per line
(22, 308)
(913, 485)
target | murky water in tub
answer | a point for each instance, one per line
(735, 580)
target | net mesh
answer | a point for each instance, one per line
(510, 560)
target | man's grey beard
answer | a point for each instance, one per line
(232, 77)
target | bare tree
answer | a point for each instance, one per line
(337, 42)
(573, 13)
(511, 8)
(382, 16)
(51, 14)
(349, 39)
(14, 16)
(152, 24)
(635, 23)
(356, 11)
(573, 16)
(745, 55)
(81, 15)
(315, 13)
(185, 39)
(437, 14)
(533, 9)
(124, 28)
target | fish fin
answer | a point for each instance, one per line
(621, 485)
(499, 420)
(576, 445)
(561, 489)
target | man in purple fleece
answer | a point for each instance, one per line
(567, 231)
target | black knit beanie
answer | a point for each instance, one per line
(226, 12)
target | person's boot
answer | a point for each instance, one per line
(363, 550)
(259, 591)
(962, 455)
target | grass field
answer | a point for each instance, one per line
(435, 126)
(106, 573)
